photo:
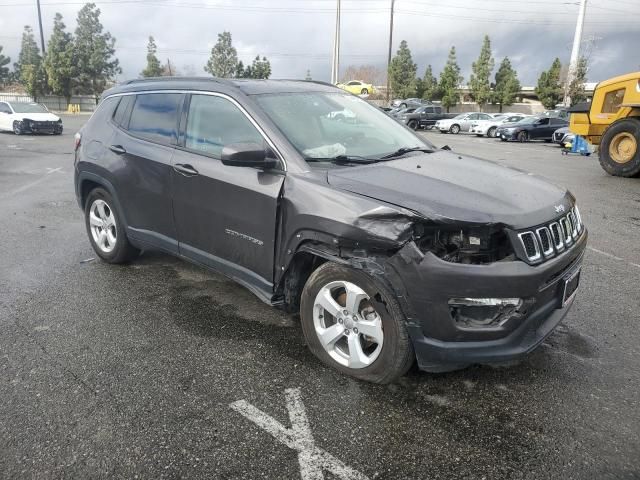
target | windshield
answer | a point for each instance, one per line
(316, 124)
(528, 120)
(28, 108)
(462, 115)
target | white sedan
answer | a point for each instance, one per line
(489, 127)
(19, 118)
(460, 123)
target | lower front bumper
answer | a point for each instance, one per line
(438, 356)
(442, 344)
(35, 127)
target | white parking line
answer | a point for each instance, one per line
(312, 459)
(615, 257)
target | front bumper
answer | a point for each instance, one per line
(479, 130)
(442, 345)
(504, 135)
(30, 126)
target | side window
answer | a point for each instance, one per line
(612, 101)
(430, 110)
(121, 114)
(544, 121)
(473, 116)
(155, 117)
(214, 122)
(353, 83)
(484, 116)
(438, 110)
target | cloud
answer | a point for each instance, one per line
(297, 35)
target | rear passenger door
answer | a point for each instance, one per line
(225, 215)
(140, 154)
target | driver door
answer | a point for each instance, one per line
(225, 215)
(540, 129)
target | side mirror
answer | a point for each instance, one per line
(247, 154)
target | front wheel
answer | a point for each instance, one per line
(17, 128)
(364, 91)
(620, 148)
(492, 132)
(354, 324)
(413, 125)
(106, 229)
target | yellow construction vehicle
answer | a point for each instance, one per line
(612, 121)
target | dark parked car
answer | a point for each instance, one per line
(389, 249)
(531, 128)
(424, 117)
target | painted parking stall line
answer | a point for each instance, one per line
(312, 459)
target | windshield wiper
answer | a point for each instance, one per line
(403, 150)
(343, 159)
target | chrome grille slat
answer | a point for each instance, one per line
(550, 240)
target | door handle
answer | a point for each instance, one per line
(185, 169)
(117, 149)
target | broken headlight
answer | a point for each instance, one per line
(474, 245)
(484, 312)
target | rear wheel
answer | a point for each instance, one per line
(364, 91)
(620, 148)
(413, 124)
(455, 128)
(523, 137)
(354, 324)
(492, 132)
(106, 228)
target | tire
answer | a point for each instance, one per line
(116, 247)
(413, 125)
(523, 137)
(364, 91)
(455, 129)
(17, 129)
(616, 152)
(390, 358)
(479, 135)
(503, 139)
(491, 133)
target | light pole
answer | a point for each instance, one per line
(40, 23)
(393, 2)
(575, 51)
(335, 65)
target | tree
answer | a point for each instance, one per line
(402, 73)
(507, 84)
(260, 68)
(4, 71)
(94, 49)
(450, 80)
(366, 73)
(240, 70)
(549, 88)
(60, 61)
(153, 69)
(576, 87)
(29, 70)
(224, 58)
(479, 80)
(430, 87)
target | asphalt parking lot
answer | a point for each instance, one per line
(160, 369)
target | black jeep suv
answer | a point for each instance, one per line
(389, 249)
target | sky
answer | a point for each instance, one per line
(297, 35)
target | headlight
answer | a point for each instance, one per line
(474, 245)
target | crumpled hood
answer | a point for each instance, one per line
(39, 117)
(447, 187)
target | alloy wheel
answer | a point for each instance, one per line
(102, 222)
(348, 327)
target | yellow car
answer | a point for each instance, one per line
(357, 87)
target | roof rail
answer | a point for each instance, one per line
(166, 79)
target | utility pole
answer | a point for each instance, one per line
(169, 67)
(40, 23)
(575, 51)
(393, 2)
(335, 65)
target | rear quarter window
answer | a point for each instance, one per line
(155, 117)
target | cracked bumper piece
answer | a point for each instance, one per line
(445, 340)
